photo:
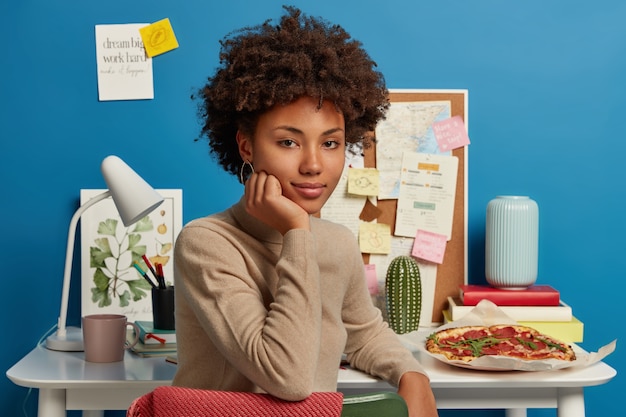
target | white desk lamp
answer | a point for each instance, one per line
(134, 198)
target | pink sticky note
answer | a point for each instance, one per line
(370, 277)
(429, 246)
(451, 133)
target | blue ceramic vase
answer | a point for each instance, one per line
(512, 242)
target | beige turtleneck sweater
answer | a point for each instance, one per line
(261, 312)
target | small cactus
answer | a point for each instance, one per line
(403, 289)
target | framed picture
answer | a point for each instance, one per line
(110, 282)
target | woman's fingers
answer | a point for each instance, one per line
(261, 188)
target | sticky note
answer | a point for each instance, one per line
(450, 133)
(158, 37)
(363, 181)
(371, 278)
(429, 246)
(375, 238)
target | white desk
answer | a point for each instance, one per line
(66, 382)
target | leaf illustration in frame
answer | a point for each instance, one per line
(110, 283)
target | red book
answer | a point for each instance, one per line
(535, 295)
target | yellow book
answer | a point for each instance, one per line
(567, 331)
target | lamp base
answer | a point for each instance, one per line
(71, 342)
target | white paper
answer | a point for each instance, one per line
(341, 207)
(124, 69)
(427, 193)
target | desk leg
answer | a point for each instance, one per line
(515, 412)
(51, 403)
(570, 402)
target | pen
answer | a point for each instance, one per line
(144, 275)
(161, 277)
(149, 265)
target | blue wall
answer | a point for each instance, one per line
(547, 88)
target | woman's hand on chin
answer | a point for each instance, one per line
(266, 202)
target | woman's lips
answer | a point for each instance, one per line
(308, 190)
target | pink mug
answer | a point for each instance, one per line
(104, 337)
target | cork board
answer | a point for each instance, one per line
(453, 271)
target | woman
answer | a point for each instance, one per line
(268, 296)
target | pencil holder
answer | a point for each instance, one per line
(163, 308)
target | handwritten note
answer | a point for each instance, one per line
(344, 208)
(158, 37)
(124, 70)
(429, 246)
(451, 133)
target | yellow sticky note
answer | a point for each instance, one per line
(375, 238)
(158, 37)
(363, 181)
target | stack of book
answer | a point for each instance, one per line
(154, 342)
(538, 306)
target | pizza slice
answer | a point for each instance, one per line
(470, 342)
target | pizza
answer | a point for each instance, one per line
(470, 342)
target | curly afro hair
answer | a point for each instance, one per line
(268, 65)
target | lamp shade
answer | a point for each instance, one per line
(134, 198)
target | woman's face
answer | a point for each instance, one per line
(302, 146)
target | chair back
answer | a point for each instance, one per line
(378, 404)
(168, 401)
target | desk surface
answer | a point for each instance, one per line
(67, 382)
(43, 368)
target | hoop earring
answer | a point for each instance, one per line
(242, 177)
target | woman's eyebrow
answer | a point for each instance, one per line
(331, 131)
(293, 129)
(288, 128)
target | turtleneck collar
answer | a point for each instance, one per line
(254, 226)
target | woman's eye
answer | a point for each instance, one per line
(331, 144)
(288, 143)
